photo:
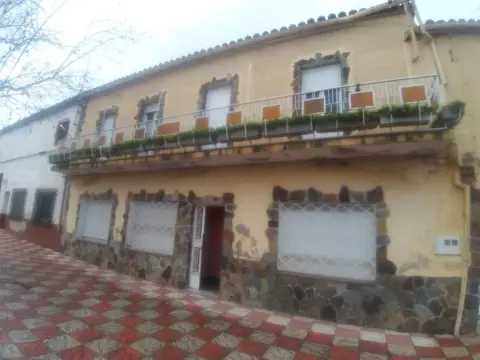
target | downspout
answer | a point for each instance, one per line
(249, 81)
(466, 254)
(64, 208)
(431, 41)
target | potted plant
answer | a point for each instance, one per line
(204, 136)
(326, 123)
(371, 119)
(450, 114)
(239, 132)
(169, 141)
(277, 127)
(405, 115)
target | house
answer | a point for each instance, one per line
(31, 194)
(311, 170)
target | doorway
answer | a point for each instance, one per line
(212, 248)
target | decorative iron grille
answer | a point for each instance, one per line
(94, 220)
(152, 226)
(44, 206)
(334, 240)
(17, 209)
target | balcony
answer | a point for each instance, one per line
(396, 117)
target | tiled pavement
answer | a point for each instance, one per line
(55, 307)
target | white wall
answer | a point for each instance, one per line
(24, 159)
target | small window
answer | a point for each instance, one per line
(94, 220)
(336, 240)
(61, 132)
(43, 206)
(17, 209)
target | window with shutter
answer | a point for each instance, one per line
(328, 240)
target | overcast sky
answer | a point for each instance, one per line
(175, 28)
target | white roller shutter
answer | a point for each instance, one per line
(152, 226)
(328, 240)
(94, 220)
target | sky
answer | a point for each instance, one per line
(168, 29)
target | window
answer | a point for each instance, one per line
(217, 105)
(150, 115)
(152, 226)
(43, 206)
(324, 82)
(107, 127)
(61, 132)
(94, 220)
(328, 240)
(17, 209)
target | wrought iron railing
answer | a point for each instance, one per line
(314, 114)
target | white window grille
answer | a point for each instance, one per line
(152, 226)
(94, 220)
(328, 240)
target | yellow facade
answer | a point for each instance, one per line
(268, 71)
(422, 201)
(424, 198)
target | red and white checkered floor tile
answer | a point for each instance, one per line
(55, 307)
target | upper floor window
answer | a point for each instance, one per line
(61, 132)
(107, 126)
(151, 113)
(17, 209)
(324, 82)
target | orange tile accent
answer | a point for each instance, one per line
(119, 138)
(361, 99)
(271, 112)
(168, 128)
(314, 106)
(86, 143)
(234, 117)
(102, 140)
(201, 123)
(414, 94)
(139, 133)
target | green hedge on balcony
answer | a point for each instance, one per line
(288, 126)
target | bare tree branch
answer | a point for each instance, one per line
(37, 66)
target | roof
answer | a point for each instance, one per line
(304, 28)
(461, 26)
(44, 113)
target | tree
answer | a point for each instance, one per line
(37, 66)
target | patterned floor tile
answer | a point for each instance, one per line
(147, 345)
(22, 336)
(61, 343)
(103, 346)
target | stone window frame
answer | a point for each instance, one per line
(107, 195)
(317, 61)
(345, 195)
(229, 80)
(113, 110)
(158, 98)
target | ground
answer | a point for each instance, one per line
(55, 307)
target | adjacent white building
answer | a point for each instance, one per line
(31, 195)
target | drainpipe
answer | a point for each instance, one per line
(433, 47)
(63, 209)
(249, 81)
(466, 254)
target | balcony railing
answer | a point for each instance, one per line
(334, 112)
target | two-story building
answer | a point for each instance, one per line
(310, 169)
(31, 194)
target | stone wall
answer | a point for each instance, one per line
(414, 304)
